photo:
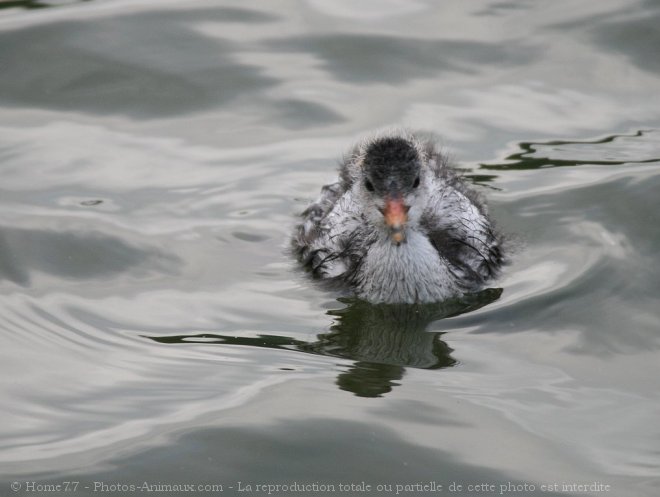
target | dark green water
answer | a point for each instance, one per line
(153, 156)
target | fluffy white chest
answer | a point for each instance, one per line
(410, 272)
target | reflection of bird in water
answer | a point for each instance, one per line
(399, 226)
(385, 339)
(382, 339)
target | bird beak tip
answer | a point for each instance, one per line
(397, 237)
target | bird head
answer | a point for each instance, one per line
(391, 184)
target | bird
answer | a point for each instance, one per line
(400, 225)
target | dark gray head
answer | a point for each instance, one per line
(391, 167)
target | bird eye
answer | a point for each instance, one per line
(369, 186)
(416, 183)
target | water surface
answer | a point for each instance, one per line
(154, 156)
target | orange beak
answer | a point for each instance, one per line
(396, 216)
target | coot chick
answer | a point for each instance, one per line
(400, 225)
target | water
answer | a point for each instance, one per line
(154, 156)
